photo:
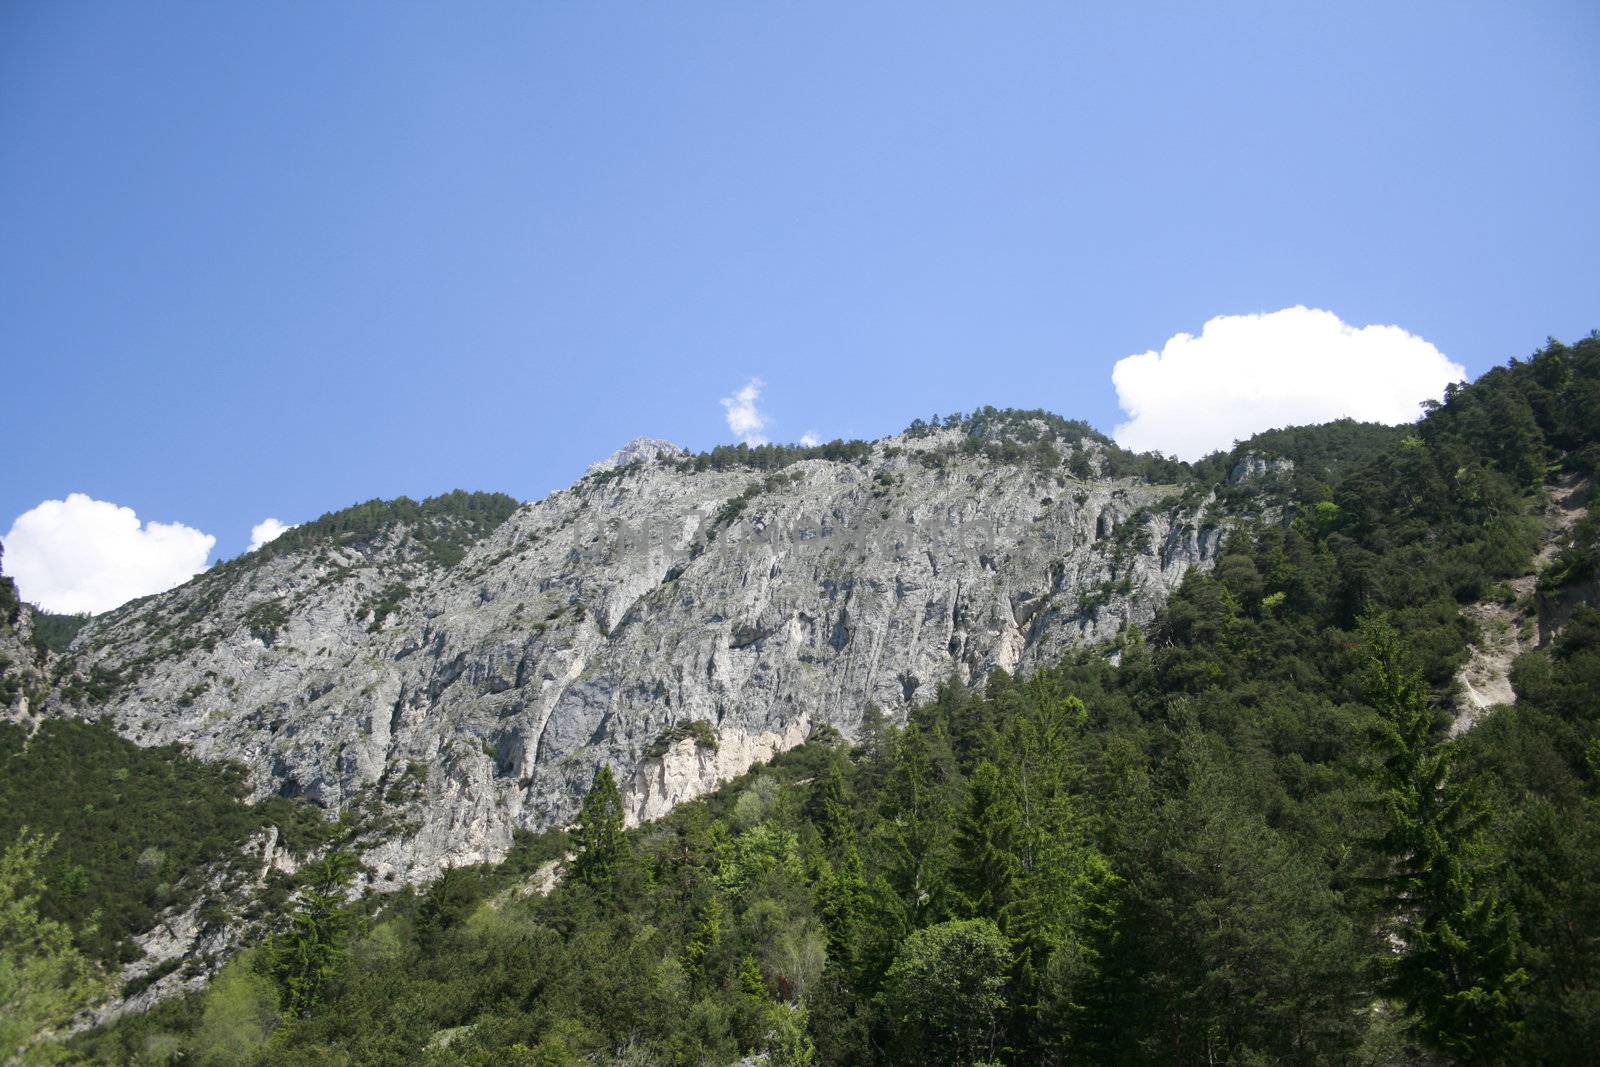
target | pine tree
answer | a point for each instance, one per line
(700, 954)
(875, 752)
(839, 883)
(842, 901)
(828, 808)
(304, 959)
(986, 864)
(598, 835)
(968, 720)
(1457, 967)
(919, 800)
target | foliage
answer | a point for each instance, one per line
(1321, 454)
(1578, 559)
(772, 457)
(1249, 839)
(303, 960)
(54, 632)
(945, 991)
(444, 527)
(44, 979)
(132, 826)
(10, 602)
(239, 1013)
(598, 835)
(1456, 970)
(266, 618)
(701, 731)
(386, 603)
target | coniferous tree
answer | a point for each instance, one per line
(828, 807)
(443, 906)
(1457, 968)
(985, 869)
(598, 835)
(919, 800)
(838, 877)
(875, 752)
(968, 719)
(700, 954)
(304, 959)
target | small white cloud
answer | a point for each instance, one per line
(1248, 373)
(744, 418)
(264, 531)
(809, 440)
(81, 554)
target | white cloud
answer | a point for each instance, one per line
(264, 531)
(1248, 373)
(744, 418)
(809, 440)
(81, 554)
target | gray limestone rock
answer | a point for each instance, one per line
(643, 597)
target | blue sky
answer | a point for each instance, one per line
(272, 259)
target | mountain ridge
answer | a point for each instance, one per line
(445, 679)
(499, 645)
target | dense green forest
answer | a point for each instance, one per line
(1245, 836)
(55, 632)
(1045, 439)
(133, 827)
(445, 526)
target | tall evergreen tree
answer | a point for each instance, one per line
(1457, 967)
(828, 807)
(304, 959)
(985, 863)
(838, 877)
(919, 801)
(598, 835)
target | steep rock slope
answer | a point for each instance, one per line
(1524, 617)
(22, 677)
(463, 698)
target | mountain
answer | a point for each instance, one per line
(638, 450)
(501, 654)
(1049, 753)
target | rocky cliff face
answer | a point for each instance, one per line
(23, 679)
(592, 626)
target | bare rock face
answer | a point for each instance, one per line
(645, 597)
(22, 677)
(1530, 618)
(638, 450)
(1252, 466)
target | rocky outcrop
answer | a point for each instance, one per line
(648, 595)
(1253, 466)
(23, 677)
(1522, 617)
(688, 769)
(638, 450)
(183, 950)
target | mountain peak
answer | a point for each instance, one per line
(638, 450)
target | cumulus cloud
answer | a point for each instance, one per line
(744, 418)
(82, 554)
(1248, 373)
(264, 531)
(809, 440)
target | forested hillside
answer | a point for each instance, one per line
(1243, 837)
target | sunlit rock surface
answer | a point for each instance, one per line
(646, 595)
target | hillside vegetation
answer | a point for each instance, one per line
(1246, 840)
